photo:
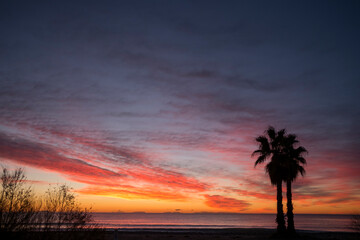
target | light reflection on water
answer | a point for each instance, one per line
(316, 222)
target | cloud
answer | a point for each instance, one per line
(225, 203)
(168, 178)
(43, 156)
(58, 159)
(247, 193)
(129, 192)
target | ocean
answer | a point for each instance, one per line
(314, 222)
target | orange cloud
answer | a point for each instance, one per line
(254, 194)
(130, 192)
(225, 203)
(168, 178)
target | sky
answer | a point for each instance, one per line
(154, 106)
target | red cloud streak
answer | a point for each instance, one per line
(46, 156)
(232, 204)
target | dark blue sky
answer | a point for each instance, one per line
(185, 84)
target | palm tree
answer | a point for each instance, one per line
(294, 159)
(271, 147)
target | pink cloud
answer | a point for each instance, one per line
(226, 203)
(56, 159)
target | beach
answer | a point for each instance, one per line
(222, 234)
(178, 234)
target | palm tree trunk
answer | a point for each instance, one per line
(280, 213)
(290, 208)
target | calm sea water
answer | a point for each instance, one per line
(315, 222)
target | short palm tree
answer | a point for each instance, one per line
(271, 147)
(294, 159)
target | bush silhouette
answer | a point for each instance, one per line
(55, 215)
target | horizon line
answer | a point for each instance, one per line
(140, 212)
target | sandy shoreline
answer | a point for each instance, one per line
(176, 234)
(220, 234)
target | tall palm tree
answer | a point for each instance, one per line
(271, 147)
(294, 159)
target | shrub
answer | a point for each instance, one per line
(61, 211)
(18, 208)
(55, 215)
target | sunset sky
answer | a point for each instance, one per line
(154, 106)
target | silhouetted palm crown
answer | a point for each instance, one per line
(272, 147)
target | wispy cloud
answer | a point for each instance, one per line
(226, 203)
(129, 192)
(137, 171)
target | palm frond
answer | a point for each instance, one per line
(301, 160)
(300, 150)
(271, 132)
(261, 139)
(259, 151)
(291, 139)
(264, 143)
(260, 160)
(301, 170)
(281, 133)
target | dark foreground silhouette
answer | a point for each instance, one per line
(222, 234)
(285, 164)
(195, 234)
(55, 215)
